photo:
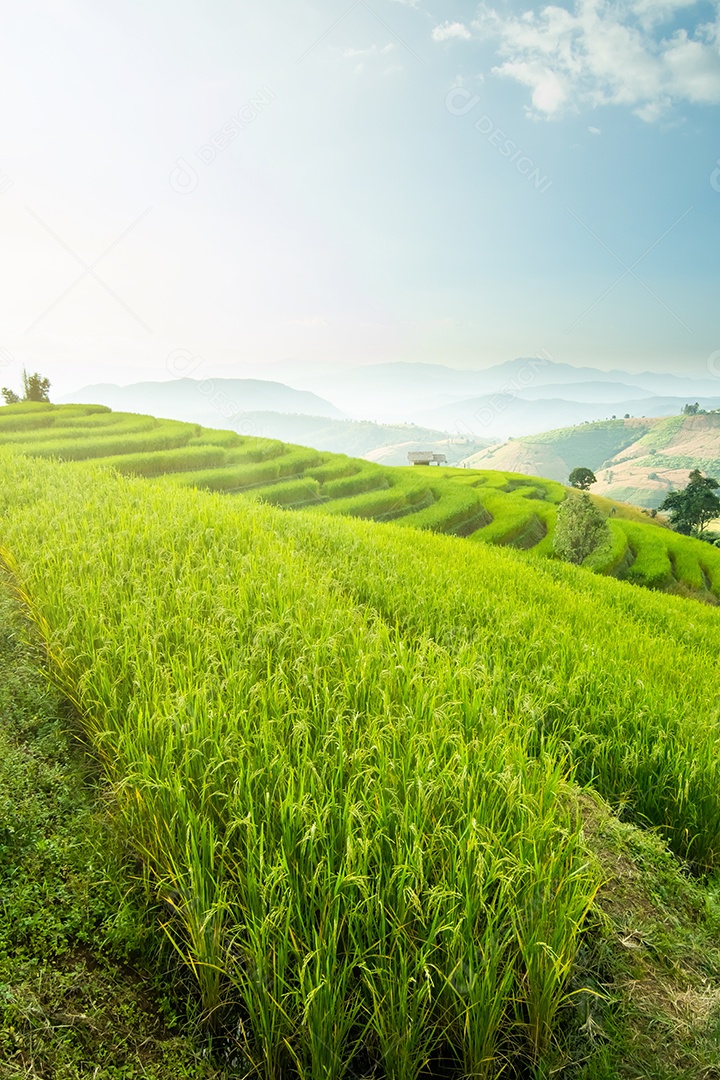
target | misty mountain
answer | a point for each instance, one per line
(403, 392)
(212, 402)
(591, 392)
(495, 415)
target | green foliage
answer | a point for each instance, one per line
(580, 529)
(35, 387)
(694, 508)
(582, 478)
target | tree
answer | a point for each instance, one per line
(691, 410)
(691, 510)
(36, 387)
(582, 478)
(580, 529)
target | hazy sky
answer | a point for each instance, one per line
(390, 180)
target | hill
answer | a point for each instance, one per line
(496, 415)
(637, 461)
(490, 507)
(363, 776)
(386, 443)
(205, 401)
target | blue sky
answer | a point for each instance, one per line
(356, 183)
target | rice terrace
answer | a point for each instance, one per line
(388, 802)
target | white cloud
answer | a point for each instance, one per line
(594, 130)
(451, 30)
(374, 50)
(598, 53)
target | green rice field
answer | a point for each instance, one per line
(488, 507)
(349, 759)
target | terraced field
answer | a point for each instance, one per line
(491, 507)
(349, 766)
(637, 459)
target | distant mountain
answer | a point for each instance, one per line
(520, 397)
(394, 392)
(384, 443)
(637, 461)
(212, 402)
(589, 392)
(496, 415)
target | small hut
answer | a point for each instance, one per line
(426, 457)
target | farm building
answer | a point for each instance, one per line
(426, 457)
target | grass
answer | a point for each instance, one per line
(347, 763)
(594, 443)
(275, 801)
(655, 947)
(77, 994)
(498, 508)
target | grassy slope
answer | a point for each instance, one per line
(385, 443)
(314, 620)
(654, 954)
(490, 506)
(71, 1005)
(635, 460)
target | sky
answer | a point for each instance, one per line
(392, 180)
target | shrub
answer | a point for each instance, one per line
(580, 529)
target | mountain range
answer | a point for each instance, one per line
(521, 397)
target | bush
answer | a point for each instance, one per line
(580, 529)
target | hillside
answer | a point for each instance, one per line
(365, 778)
(386, 443)
(490, 507)
(503, 414)
(636, 461)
